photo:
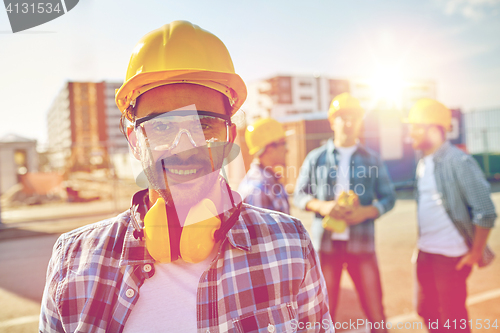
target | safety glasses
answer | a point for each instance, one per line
(163, 131)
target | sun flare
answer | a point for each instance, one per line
(387, 85)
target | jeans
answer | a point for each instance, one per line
(364, 272)
(441, 292)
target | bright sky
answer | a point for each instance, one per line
(454, 42)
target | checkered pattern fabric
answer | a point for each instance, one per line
(368, 178)
(262, 189)
(465, 193)
(265, 276)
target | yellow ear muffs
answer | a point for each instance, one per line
(156, 232)
(197, 238)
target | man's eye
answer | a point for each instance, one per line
(160, 127)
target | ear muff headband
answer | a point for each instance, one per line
(156, 232)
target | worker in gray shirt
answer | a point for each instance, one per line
(455, 216)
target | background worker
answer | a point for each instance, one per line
(261, 186)
(455, 216)
(188, 256)
(344, 164)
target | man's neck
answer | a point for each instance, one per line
(265, 161)
(345, 144)
(215, 195)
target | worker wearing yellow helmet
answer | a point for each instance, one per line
(424, 115)
(347, 186)
(188, 255)
(455, 216)
(261, 186)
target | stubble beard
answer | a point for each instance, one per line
(186, 194)
(423, 145)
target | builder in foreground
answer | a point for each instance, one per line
(188, 256)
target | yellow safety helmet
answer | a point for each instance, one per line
(346, 102)
(180, 52)
(429, 112)
(263, 132)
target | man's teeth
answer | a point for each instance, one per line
(182, 172)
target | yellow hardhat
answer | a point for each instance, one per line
(346, 102)
(181, 52)
(430, 112)
(263, 132)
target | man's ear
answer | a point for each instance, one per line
(132, 141)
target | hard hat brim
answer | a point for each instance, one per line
(408, 121)
(229, 84)
(333, 112)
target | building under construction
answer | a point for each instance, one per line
(83, 127)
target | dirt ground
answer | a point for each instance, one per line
(396, 235)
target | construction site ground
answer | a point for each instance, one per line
(28, 233)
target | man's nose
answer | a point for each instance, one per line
(185, 148)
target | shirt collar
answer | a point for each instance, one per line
(239, 236)
(441, 152)
(134, 249)
(265, 171)
(330, 147)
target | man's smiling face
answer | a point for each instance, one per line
(187, 170)
(419, 134)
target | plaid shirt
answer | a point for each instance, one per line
(465, 194)
(266, 276)
(262, 189)
(368, 178)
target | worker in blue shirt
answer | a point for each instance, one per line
(343, 164)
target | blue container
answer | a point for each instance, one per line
(457, 134)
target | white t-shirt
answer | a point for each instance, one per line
(343, 181)
(167, 300)
(438, 234)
